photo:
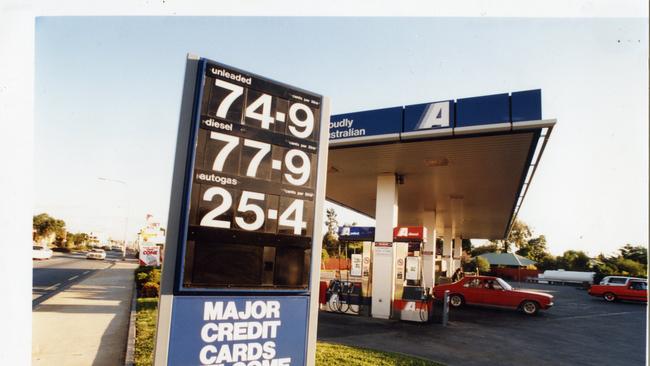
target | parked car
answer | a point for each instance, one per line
(618, 280)
(39, 252)
(635, 290)
(96, 254)
(492, 291)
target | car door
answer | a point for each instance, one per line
(635, 291)
(494, 294)
(473, 291)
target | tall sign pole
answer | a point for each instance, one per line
(242, 257)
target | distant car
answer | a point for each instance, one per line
(618, 280)
(39, 252)
(635, 290)
(492, 291)
(96, 254)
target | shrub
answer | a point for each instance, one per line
(141, 278)
(150, 289)
(154, 276)
(145, 275)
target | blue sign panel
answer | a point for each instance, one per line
(466, 112)
(526, 105)
(483, 110)
(429, 116)
(238, 331)
(367, 123)
(357, 233)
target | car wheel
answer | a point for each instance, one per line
(456, 301)
(609, 297)
(530, 307)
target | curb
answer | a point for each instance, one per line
(129, 358)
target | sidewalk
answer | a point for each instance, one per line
(88, 323)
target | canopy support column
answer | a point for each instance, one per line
(458, 251)
(383, 271)
(447, 250)
(429, 250)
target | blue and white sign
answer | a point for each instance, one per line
(387, 121)
(429, 115)
(467, 115)
(238, 331)
(357, 233)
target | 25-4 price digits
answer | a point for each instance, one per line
(252, 212)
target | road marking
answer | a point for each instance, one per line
(53, 286)
(86, 272)
(598, 315)
(72, 278)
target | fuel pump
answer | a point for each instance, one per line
(412, 302)
(348, 290)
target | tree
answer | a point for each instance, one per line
(77, 239)
(547, 261)
(534, 249)
(574, 261)
(477, 263)
(629, 267)
(487, 248)
(48, 228)
(330, 239)
(636, 253)
(331, 220)
(518, 236)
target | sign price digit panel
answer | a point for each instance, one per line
(252, 185)
(246, 194)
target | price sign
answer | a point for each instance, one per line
(253, 181)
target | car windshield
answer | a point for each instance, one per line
(504, 284)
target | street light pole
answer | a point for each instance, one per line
(126, 207)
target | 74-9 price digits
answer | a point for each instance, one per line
(228, 99)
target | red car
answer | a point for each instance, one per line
(634, 290)
(492, 291)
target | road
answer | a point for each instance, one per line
(63, 270)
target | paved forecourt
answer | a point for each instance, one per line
(578, 330)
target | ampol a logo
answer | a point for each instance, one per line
(435, 115)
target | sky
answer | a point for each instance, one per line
(107, 97)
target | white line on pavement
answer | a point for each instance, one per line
(596, 315)
(86, 272)
(72, 278)
(53, 286)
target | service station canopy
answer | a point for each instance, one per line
(470, 160)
